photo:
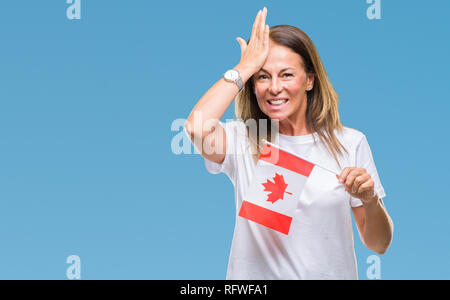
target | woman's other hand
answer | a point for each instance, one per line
(359, 184)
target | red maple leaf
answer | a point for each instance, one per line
(277, 188)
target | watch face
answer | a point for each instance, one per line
(231, 75)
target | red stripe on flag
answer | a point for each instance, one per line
(286, 160)
(265, 217)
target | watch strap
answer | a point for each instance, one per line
(238, 81)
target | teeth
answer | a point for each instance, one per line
(277, 102)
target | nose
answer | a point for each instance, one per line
(275, 86)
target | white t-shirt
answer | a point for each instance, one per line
(320, 241)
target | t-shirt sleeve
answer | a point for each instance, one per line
(364, 159)
(228, 165)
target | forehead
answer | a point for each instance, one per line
(281, 57)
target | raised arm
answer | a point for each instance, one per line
(203, 123)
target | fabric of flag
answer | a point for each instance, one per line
(275, 188)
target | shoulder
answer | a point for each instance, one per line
(350, 137)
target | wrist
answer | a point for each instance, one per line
(372, 202)
(245, 72)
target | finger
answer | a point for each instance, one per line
(366, 186)
(243, 45)
(343, 175)
(359, 180)
(255, 24)
(258, 27)
(351, 178)
(266, 35)
(263, 23)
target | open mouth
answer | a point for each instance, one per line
(277, 103)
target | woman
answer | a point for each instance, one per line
(280, 78)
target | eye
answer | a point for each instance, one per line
(262, 76)
(287, 75)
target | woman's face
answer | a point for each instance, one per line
(281, 84)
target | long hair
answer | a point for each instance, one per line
(322, 115)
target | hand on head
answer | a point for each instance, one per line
(254, 54)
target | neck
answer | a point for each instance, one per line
(294, 125)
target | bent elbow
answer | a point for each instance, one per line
(381, 249)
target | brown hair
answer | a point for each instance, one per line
(322, 115)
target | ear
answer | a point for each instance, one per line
(310, 82)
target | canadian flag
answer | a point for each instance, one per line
(275, 188)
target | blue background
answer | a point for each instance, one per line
(86, 108)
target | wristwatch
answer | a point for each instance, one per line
(234, 76)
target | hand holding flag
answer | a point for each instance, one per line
(359, 184)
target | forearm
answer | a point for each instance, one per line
(378, 227)
(215, 102)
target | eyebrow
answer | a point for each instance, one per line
(265, 71)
